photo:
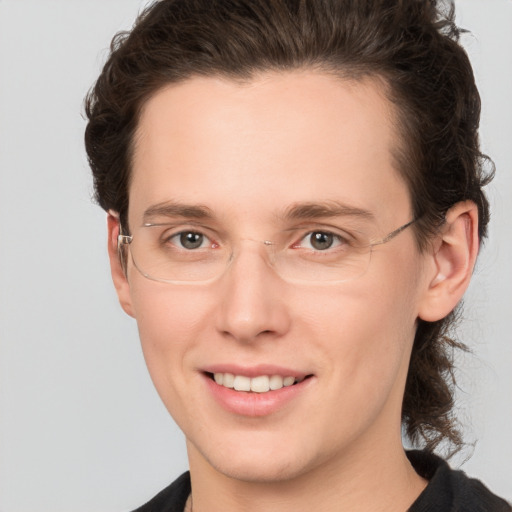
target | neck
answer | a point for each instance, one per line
(381, 480)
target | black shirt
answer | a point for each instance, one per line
(448, 491)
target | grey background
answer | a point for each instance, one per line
(81, 428)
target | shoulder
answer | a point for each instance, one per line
(171, 499)
(450, 490)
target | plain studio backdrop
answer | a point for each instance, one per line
(81, 427)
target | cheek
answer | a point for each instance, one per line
(362, 327)
(171, 323)
(169, 320)
(367, 327)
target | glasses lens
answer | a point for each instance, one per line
(317, 266)
(162, 255)
(187, 256)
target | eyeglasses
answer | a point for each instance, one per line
(177, 253)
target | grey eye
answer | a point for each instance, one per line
(321, 240)
(191, 240)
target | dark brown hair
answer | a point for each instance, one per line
(411, 45)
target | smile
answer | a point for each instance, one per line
(256, 391)
(258, 384)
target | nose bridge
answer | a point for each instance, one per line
(251, 252)
(252, 294)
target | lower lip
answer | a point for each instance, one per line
(255, 404)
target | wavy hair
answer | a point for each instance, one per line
(411, 45)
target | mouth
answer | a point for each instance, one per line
(258, 384)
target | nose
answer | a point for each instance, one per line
(253, 303)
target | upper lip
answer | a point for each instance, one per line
(255, 370)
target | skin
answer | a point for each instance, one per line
(247, 152)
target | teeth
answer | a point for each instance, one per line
(260, 384)
(242, 383)
(276, 382)
(228, 380)
(288, 381)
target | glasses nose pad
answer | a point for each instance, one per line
(365, 265)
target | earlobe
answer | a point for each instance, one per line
(452, 260)
(116, 268)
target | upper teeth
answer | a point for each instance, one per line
(260, 384)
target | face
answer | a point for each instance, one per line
(249, 154)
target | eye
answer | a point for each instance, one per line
(321, 240)
(190, 240)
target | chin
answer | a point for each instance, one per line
(269, 470)
(262, 463)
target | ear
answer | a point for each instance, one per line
(116, 268)
(452, 261)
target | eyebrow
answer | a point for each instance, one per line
(298, 211)
(326, 209)
(175, 209)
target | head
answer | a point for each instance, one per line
(407, 51)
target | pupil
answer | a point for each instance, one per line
(191, 240)
(321, 241)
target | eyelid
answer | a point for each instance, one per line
(172, 229)
(180, 226)
(339, 240)
(348, 235)
(294, 234)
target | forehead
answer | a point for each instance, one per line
(266, 144)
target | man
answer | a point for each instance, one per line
(295, 206)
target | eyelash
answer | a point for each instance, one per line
(167, 239)
(337, 240)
